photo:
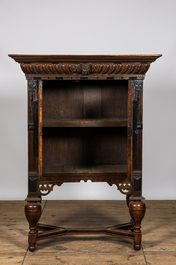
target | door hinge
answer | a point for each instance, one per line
(30, 126)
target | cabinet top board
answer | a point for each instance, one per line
(26, 58)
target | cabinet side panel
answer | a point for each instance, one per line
(137, 161)
(137, 141)
(32, 160)
(40, 136)
(129, 129)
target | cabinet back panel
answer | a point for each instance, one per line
(114, 99)
(62, 100)
(84, 146)
(84, 99)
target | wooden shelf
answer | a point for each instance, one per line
(104, 122)
(84, 168)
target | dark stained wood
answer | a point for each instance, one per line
(40, 133)
(62, 100)
(114, 99)
(84, 67)
(119, 176)
(84, 168)
(137, 161)
(32, 212)
(32, 161)
(84, 146)
(114, 146)
(84, 99)
(129, 129)
(86, 131)
(92, 100)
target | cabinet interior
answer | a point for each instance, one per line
(85, 126)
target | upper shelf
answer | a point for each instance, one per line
(108, 122)
(84, 66)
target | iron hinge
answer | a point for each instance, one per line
(30, 127)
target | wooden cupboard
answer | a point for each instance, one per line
(85, 123)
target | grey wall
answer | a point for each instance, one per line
(90, 27)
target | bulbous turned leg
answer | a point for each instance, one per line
(128, 200)
(32, 212)
(137, 212)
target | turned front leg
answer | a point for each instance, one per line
(32, 212)
(128, 200)
(137, 212)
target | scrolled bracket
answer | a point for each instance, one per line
(124, 187)
(45, 188)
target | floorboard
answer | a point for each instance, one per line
(158, 226)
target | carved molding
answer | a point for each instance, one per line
(84, 68)
(123, 187)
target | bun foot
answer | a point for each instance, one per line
(32, 248)
(137, 247)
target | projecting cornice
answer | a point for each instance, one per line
(89, 66)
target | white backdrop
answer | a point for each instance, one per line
(90, 27)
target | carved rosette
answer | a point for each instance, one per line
(84, 68)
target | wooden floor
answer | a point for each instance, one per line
(159, 234)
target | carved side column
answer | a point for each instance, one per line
(32, 212)
(137, 212)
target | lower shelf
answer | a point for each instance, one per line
(84, 168)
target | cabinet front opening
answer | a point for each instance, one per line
(84, 149)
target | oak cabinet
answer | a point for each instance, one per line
(85, 123)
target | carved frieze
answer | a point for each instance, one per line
(84, 68)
